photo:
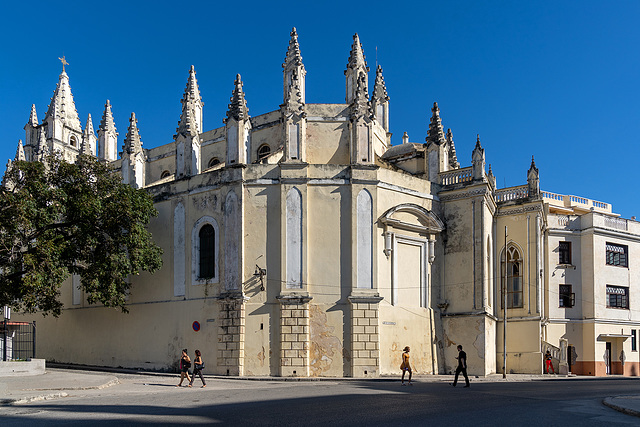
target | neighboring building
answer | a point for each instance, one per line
(304, 244)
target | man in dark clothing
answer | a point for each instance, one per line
(462, 367)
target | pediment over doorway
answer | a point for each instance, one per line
(412, 217)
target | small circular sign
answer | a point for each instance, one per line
(196, 326)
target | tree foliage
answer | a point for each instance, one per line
(58, 219)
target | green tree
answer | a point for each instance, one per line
(58, 219)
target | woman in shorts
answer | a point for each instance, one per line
(405, 367)
(185, 364)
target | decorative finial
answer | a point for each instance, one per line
(64, 62)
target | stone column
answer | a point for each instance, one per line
(231, 333)
(294, 335)
(365, 337)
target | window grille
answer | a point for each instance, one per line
(617, 297)
(616, 255)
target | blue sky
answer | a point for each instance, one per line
(555, 79)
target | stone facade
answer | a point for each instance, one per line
(328, 250)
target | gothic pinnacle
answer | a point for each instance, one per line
(88, 129)
(379, 87)
(107, 124)
(20, 152)
(33, 117)
(191, 100)
(238, 104)
(453, 159)
(436, 132)
(132, 142)
(356, 56)
(293, 52)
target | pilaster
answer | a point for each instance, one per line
(231, 333)
(294, 335)
(365, 336)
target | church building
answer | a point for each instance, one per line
(300, 242)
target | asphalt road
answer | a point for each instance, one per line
(140, 400)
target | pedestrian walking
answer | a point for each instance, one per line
(548, 363)
(405, 367)
(185, 364)
(462, 367)
(198, 366)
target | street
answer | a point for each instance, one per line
(139, 399)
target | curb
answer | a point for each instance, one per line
(608, 402)
(23, 400)
(38, 398)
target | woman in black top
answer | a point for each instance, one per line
(198, 366)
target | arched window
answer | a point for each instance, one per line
(165, 174)
(73, 141)
(205, 243)
(213, 162)
(207, 252)
(514, 278)
(263, 151)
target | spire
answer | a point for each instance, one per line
(379, 88)
(294, 72)
(436, 132)
(20, 152)
(533, 180)
(43, 148)
(62, 106)
(478, 161)
(88, 129)
(356, 56)
(132, 142)
(356, 72)
(88, 145)
(293, 52)
(491, 178)
(380, 100)
(453, 159)
(33, 117)
(191, 116)
(238, 107)
(107, 135)
(107, 124)
(533, 167)
(478, 145)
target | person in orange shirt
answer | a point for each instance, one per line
(405, 367)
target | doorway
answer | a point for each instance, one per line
(607, 358)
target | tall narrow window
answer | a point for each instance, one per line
(567, 298)
(514, 278)
(207, 251)
(564, 253)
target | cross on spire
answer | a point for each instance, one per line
(64, 62)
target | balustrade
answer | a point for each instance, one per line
(456, 176)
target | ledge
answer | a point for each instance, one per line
(22, 368)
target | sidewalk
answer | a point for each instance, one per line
(58, 382)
